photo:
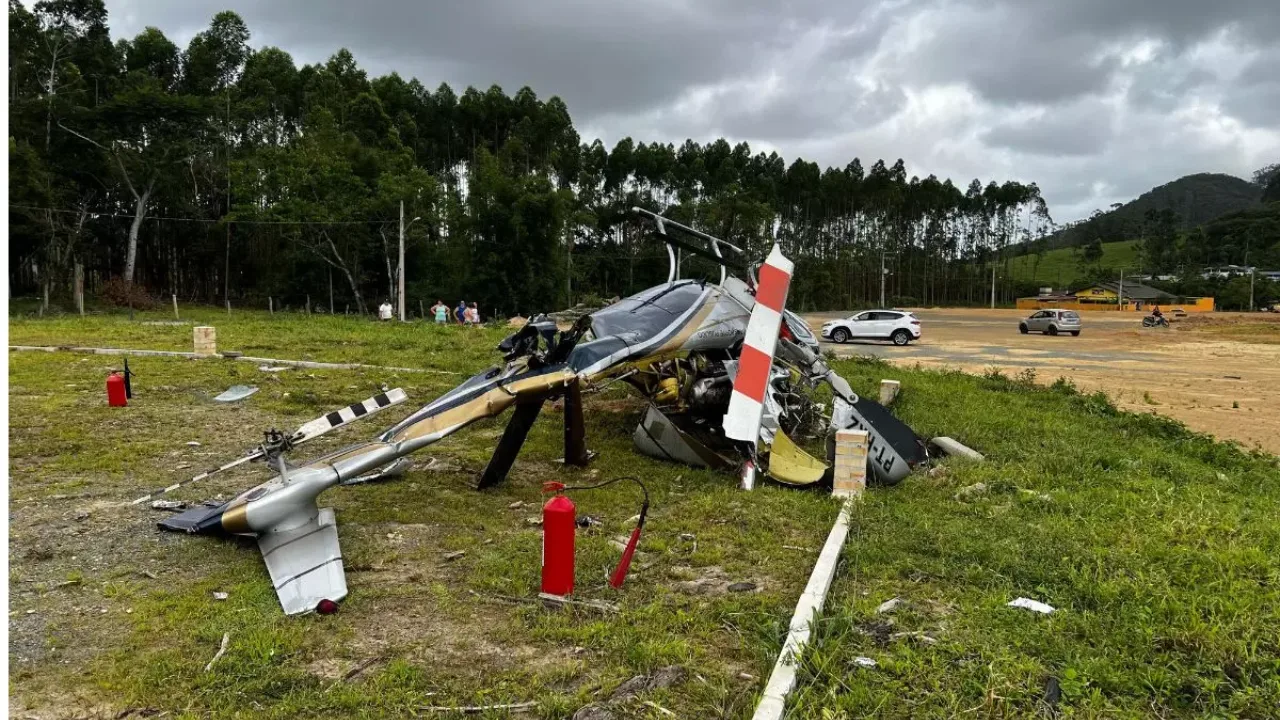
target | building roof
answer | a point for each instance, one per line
(1135, 291)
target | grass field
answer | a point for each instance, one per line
(1159, 548)
(1061, 267)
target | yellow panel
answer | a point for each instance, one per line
(791, 465)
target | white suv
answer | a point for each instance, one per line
(896, 325)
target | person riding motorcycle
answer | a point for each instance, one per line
(1156, 318)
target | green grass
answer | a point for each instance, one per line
(1060, 268)
(1159, 547)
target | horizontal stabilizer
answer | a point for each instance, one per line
(305, 563)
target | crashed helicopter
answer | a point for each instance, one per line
(728, 371)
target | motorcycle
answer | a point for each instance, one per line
(1153, 321)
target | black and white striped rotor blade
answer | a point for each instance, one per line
(349, 414)
(251, 456)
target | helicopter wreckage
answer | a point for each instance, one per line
(729, 374)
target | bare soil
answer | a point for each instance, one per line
(1218, 373)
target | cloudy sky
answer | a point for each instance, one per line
(1095, 100)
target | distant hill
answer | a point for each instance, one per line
(1194, 200)
(1062, 268)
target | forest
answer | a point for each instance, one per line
(221, 173)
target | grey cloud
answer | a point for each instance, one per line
(1080, 129)
(830, 79)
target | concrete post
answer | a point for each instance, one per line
(851, 464)
(888, 391)
(206, 340)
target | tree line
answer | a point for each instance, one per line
(223, 173)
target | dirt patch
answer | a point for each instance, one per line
(1218, 373)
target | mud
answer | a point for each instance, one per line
(1219, 374)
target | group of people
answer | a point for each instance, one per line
(464, 314)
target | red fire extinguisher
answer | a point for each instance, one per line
(115, 390)
(558, 529)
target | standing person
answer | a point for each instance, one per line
(441, 312)
(460, 312)
(473, 314)
(384, 310)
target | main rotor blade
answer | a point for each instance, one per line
(346, 415)
(308, 431)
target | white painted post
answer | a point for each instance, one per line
(175, 307)
(783, 678)
(206, 341)
(851, 464)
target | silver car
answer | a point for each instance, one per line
(1051, 322)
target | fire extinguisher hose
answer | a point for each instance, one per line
(624, 565)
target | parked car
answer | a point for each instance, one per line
(1051, 322)
(895, 325)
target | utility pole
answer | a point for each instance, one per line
(1120, 297)
(883, 271)
(1252, 272)
(400, 267)
(993, 287)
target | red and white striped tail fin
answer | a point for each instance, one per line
(746, 405)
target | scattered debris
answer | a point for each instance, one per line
(663, 678)
(688, 537)
(659, 708)
(475, 709)
(938, 472)
(450, 557)
(236, 392)
(889, 605)
(558, 601)
(82, 515)
(739, 587)
(217, 595)
(516, 505)
(533, 521)
(226, 638)
(272, 368)
(148, 574)
(192, 443)
(67, 583)
(865, 662)
(797, 547)
(1033, 495)
(355, 671)
(594, 712)
(1052, 692)
(971, 491)
(915, 635)
(172, 505)
(1030, 604)
(746, 676)
(954, 447)
(586, 522)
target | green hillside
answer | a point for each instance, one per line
(1193, 200)
(1061, 267)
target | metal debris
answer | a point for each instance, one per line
(236, 392)
(450, 557)
(865, 662)
(889, 605)
(1034, 605)
(220, 595)
(172, 505)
